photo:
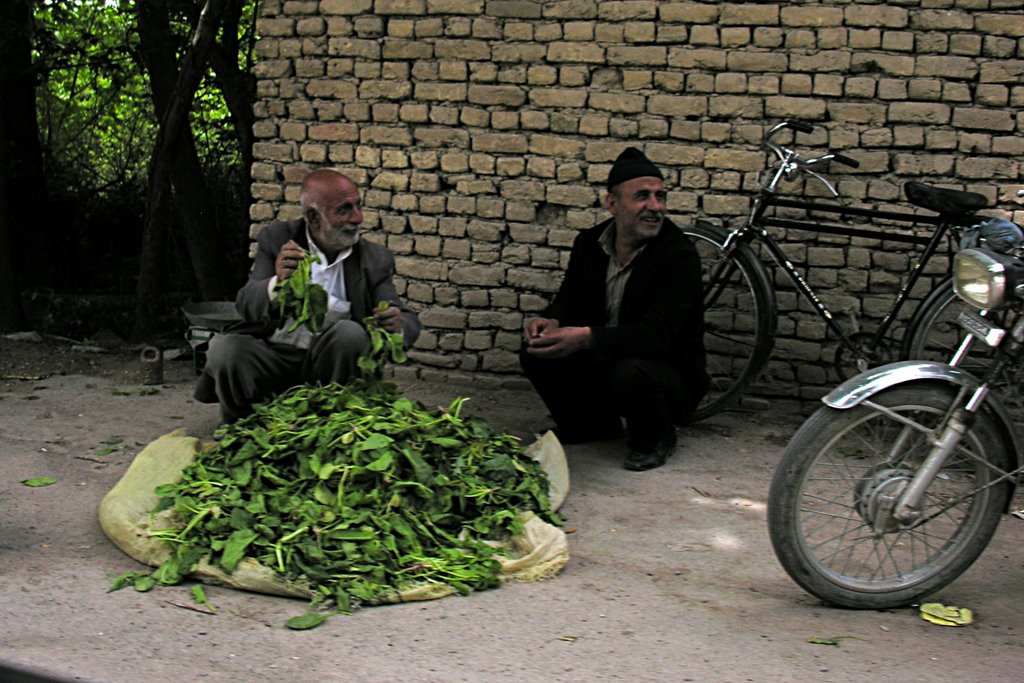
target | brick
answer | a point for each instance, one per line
(733, 159)
(824, 60)
(688, 58)
(1009, 24)
(638, 56)
(476, 275)
(613, 10)
(811, 16)
(875, 62)
(518, 9)
(981, 167)
(275, 27)
(782, 107)
(572, 195)
(587, 53)
(617, 103)
(677, 105)
(399, 7)
(571, 9)
(946, 67)
(441, 92)
(759, 62)
(345, 7)
(460, 7)
(507, 95)
(919, 112)
(983, 119)
(1009, 71)
(853, 112)
(749, 14)
(884, 16)
(462, 49)
(354, 47)
(558, 97)
(736, 107)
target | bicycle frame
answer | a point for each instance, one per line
(755, 229)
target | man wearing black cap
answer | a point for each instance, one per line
(623, 337)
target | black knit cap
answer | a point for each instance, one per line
(632, 164)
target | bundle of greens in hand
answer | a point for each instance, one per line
(301, 299)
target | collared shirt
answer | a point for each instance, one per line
(330, 276)
(616, 275)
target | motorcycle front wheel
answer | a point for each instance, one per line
(829, 506)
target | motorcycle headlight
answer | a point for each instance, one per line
(984, 278)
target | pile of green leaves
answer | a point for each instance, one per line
(356, 490)
(302, 299)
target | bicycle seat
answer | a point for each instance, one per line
(943, 201)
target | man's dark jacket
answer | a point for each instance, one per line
(369, 273)
(661, 315)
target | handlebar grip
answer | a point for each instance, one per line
(801, 127)
(845, 160)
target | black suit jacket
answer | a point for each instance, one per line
(661, 316)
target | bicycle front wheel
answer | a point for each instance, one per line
(830, 504)
(740, 317)
(934, 334)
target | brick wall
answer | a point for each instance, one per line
(482, 130)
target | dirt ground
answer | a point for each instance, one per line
(671, 575)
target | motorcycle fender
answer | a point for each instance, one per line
(868, 383)
(865, 385)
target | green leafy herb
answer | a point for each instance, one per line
(357, 491)
(384, 346)
(301, 298)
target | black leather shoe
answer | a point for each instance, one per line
(639, 461)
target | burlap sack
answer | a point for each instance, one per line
(539, 551)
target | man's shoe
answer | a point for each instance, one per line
(639, 461)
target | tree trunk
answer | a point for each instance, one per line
(237, 85)
(173, 91)
(21, 174)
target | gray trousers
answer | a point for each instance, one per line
(247, 370)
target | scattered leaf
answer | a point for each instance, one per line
(306, 621)
(39, 482)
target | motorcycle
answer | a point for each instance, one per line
(895, 486)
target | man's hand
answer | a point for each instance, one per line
(546, 339)
(288, 260)
(391, 319)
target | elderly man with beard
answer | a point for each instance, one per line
(259, 357)
(623, 337)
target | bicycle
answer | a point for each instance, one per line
(741, 307)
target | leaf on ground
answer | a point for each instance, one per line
(824, 641)
(306, 621)
(38, 482)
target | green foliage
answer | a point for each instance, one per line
(95, 112)
(355, 490)
(97, 132)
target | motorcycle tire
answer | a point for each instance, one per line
(827, 518)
